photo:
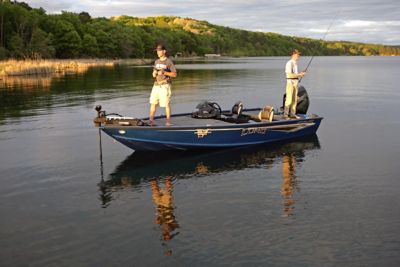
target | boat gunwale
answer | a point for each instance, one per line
(231, 126)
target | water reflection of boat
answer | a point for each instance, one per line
(141, 168)
(160, 169)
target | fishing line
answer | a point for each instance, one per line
(323, 38)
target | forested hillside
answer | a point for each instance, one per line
(27, 32)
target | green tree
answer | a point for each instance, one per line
(90, 48)
(40, 45)
(105, 44)
(84, 17)
(3, 53)
(69, 45)
(16, 46)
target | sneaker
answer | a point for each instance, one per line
(294, 117)
(168, 124)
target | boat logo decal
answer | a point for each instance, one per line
(202, 132)
(247, 131)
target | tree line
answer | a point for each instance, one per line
(27, 32)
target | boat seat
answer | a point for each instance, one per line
(267, 113)
(236, 115)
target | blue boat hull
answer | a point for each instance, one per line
(144, 138)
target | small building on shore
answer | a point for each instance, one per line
(211, 55)
(178, 54)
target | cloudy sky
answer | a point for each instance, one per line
(368, 21)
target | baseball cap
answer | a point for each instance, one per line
(295, 51)
(160, 47)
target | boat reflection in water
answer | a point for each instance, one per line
(161, 169)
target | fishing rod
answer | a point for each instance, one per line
(323, 38)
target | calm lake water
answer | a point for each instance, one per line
(327, 200)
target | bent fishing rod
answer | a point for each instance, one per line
(323, 38)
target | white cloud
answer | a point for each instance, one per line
(359, 23)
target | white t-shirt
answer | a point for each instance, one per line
(291, 67)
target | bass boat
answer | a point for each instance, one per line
(209, 127)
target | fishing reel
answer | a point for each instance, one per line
(158, 70)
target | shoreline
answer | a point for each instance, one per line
(14, 67)
(29, 67)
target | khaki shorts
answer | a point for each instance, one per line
(160, 95)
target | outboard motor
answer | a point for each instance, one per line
(303, 100)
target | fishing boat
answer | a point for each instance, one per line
(210, 127)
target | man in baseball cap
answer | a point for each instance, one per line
(163, 72)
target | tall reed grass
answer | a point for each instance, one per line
(34, 67)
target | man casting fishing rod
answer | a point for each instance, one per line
(292, 84)
(293, 78)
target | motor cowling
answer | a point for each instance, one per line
(303, 101)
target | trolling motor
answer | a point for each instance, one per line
(100, 113)
(101, 116)
(104, 118)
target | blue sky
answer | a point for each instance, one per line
(368, 21)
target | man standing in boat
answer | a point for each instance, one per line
(292, 83)
(163, 71)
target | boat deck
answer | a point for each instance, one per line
(187, 120)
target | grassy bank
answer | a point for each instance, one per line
(43, 67)
(48, 67)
